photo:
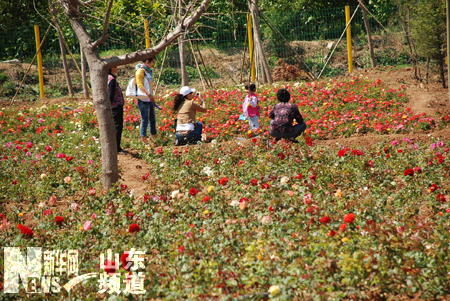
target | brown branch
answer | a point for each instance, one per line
(87, 2)
(169, 38)
(105, 34)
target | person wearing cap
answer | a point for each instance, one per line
(186, 109)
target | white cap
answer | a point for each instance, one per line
(186, 90)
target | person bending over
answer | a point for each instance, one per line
(283, 115)
(188, 130)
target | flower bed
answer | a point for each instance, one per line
(242, 219)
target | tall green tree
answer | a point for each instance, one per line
(429, 31)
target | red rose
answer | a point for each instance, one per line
(134, 228)
(281, 156)
(59, 220)
(146, 197)
(342, 227)
(223, 181)
(325, 219)
(126, 264)
(109, 266)
(408, 172)
(331, 233)
(193, 191)
(308, 140)
(433, 187)
(47, 212)
(265, 186)
(206, 199)
(129, 214)
(343, 152)
(299, 176)
(181, 249)
(357, 152)
(241, 200)
(312, 209)
(25, 230)
(441, 198)
(349, 218)
(417, 169)
(254, 182)
(271, 209)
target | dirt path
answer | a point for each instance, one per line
(132, 170)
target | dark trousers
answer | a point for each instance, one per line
(147, 109)
(192, 137)
(118, 122)
(290, 132)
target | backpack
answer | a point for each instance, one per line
(133, 91)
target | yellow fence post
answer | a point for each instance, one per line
(37, 36)
(349, 39)
(251, 47)
(147, 33)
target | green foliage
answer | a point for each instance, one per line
(3, 77)
(170, 76)
(7, 89)
(208, 72)
(429, 28)
(391, 57)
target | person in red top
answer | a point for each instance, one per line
(250, 107)
(283, 116)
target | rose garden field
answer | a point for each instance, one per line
(243, 217)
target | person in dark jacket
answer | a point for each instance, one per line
(117, 101)
(283, 115)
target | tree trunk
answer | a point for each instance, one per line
(442, 72)
(83, 74)
(369, 37)
(99, 75)
(98, 68)
(64, 62)
(266, 75)
(181, 50)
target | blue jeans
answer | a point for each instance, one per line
(147, 110)
(192, 137)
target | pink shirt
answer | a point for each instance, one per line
(250, 105)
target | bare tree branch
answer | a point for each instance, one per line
(151, 52)
(88, 2)
(105, 34)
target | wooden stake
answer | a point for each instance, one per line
(39, 61)
(369, 34)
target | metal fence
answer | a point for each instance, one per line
(218, 47)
